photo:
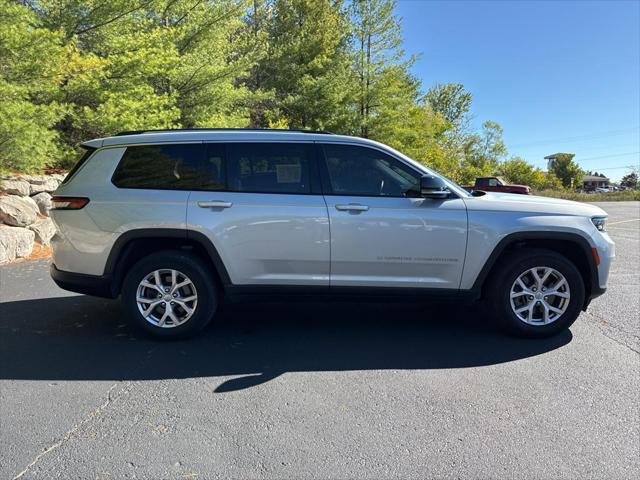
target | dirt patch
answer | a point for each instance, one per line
(38, 253)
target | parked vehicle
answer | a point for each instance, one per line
(175, 221)
(497, 184)
(602, 190)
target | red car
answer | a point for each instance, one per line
(497, 184)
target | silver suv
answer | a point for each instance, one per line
(173, 221)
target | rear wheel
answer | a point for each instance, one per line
(538, 293)
(170, 294)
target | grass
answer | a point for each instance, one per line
(617, 196)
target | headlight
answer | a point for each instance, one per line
(600, 223)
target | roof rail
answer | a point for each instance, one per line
(138, 132)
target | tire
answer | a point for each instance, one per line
(189, 315)
(542, 321)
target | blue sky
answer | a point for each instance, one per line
(558, 76)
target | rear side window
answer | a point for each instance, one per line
(171, 167)
(270, 167)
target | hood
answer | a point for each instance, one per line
(495, 201)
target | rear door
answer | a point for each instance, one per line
(266, 217)
(383, 233)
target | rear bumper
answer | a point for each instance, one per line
(98, 286)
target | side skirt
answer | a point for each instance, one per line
(242, 293)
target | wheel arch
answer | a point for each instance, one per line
(573, 246)
(133, 245)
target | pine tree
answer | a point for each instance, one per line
(382, 71)
(307, 65)
(31, 69)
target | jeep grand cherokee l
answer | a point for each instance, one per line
(173, 221)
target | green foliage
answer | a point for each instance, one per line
(30, 74)
(569, 173)
(517, 170)
(630, 179)
(452, 102)
(306, 65)
(72, 70)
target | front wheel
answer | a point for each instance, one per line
(170, 294)
(538, 293)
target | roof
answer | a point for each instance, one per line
(170, 130)
(210, 135)
(555, 155)
(594, 178)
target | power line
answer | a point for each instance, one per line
(630, 167)
(610, 133)
(606, 156)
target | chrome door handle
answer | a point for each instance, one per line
(352, 207)
(215, 204)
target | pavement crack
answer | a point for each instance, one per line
(90, 416)
(601, 323)
(619, 342)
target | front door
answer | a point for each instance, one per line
(383, 234)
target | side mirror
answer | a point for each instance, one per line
(433, 187)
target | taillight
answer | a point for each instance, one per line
(68, 203)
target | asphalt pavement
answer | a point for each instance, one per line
(322, 390)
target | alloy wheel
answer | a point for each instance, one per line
(166, 298)
(540, 295)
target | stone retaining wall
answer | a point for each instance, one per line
(25, 201)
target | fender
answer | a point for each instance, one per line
(123, 245)
(592, 284)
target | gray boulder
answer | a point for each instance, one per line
(42, 184)
(58, 176)
(43, 200)
(18, 211)
(15, 243)
(15, 187)
(44, 230)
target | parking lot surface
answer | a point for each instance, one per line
(319, 390)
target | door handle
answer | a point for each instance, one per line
(215, 204)
(352, 207)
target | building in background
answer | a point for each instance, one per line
(591, 182)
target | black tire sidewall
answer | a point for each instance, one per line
(518, 264)
(189, 265)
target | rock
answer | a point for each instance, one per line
(15, 242)
(43, 200)
(15, 187)
(44, 230)
(18, 211)
(58, 176)
(46, 184)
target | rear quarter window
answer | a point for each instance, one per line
(88, 151)
(171, 167)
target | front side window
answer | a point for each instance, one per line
(362, 171)
(171, 167)
(270, 167)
